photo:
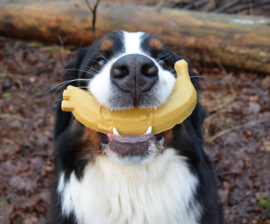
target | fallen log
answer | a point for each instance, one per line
(231, 40)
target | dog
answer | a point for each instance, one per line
(104, 180)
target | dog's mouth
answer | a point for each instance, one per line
(132, 148)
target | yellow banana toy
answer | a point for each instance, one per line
(135, 121)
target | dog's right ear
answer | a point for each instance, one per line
(73, 68)
(70, 78)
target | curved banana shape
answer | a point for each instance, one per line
(134, 121)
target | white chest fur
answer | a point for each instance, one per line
(157, 193)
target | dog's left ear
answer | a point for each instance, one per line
(70, 78)
(74, 68)
(197, 118)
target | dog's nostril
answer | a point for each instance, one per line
(149, 70)
(119, 72)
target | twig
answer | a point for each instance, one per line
(210, 139)
(17, 78)
(209, 6)
(12, 76)
(8, 141)
(190, 5)
(162, 3)
(254, 5)
(250, 8)
(219, 3)
(226, 73)
(94, 12)
(89, 6)
(233, 93)
(227, 6)
(200, 3)
(62, 41)
(219, 109)
(5, 115)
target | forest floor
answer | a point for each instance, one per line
(237, 129)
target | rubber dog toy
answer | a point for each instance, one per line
(135, 121)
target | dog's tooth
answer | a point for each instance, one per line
(115, 131)
(149, 130)
(111, 109)
(155, 107)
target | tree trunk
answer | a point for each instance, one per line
(231, 40)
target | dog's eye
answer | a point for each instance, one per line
(99, 63)
(162, 63)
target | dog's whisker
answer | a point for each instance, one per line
(80, 70)
(105, 58)
(57, 90)
(169, 56)
(62, 84)
(182, 78)
(163, 55)
(91, 68)
(170, 53)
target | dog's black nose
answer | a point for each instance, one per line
(134, 73)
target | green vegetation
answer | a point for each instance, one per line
(264, 202)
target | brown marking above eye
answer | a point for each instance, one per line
(106, 45)
(155, 44)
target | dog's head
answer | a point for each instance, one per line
(123, 70)
(129, 69)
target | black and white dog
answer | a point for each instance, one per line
(105, 180)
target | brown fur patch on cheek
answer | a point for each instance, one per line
(89, 145)
(91, 137)
(155, 44)
(168, 137)
(106, 45)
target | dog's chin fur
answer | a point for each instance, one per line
(97, 182)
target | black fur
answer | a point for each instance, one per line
(187, 138)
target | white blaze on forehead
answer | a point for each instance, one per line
(132, 42)
(100, 86)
